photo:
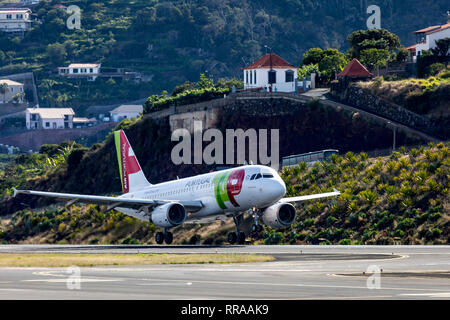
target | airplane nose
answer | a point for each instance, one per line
(279, 189)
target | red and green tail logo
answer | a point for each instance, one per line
(127, 160)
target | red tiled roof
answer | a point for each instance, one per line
(355, 69)
(264, 62)
(433, 29)
(411, 48)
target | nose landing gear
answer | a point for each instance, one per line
(256, 227)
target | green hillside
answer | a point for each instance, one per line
(175, 41)
(402, 198)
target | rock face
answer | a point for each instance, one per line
(363, 99)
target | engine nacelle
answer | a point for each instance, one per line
(279, 215)
(169, 215)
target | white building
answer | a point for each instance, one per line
(126, 112)
(83, 122)
(426, 39)
(49, 118)
(90, 71)
(271, 73)
(15, 20)
(29, 2)
(12, 89)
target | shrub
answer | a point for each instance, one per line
(183, 98)
(130, 240)
(273, 238)
(308, 223)
(345, 242)
(435, 68)
(94, 241)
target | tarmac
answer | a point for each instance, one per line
(299, 272)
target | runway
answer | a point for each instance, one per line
(299, 272)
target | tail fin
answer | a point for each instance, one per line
(131, 174)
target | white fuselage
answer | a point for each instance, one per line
(222, 193)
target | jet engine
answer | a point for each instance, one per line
(169, 215)
(279, 215)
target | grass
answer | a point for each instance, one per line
(89, 260)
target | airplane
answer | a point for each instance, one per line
(204, 198)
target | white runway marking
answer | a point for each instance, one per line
(431, 295)
(80, 280)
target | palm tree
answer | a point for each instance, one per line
(3, 90)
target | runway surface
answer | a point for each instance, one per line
(299, 272)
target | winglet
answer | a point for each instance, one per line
(15, 192)
(336, 190)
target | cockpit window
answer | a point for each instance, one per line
(253, 177)
(267, 175)
(258, 176)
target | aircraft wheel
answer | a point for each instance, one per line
(232, 237)
(241, 238)
(159, 237)
(168, 238)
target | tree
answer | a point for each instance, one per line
(56, 53)
(3, 90)
(328, 61)
(18, 97)
(442, 47)
(372, 39)
(205, 82)
(2, 57)
(312, 56)
(332, 62)
(229, 83)
(374, 58)
(183, 87)
(401, 55)
(306, 70)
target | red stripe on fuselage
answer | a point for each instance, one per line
(234, 185)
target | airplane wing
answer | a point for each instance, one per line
(312, 196)
(111, 202)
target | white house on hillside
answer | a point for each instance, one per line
(49, 118)
(426, 39)
(90, 71)
(29, 2)
(12, 89)
(126, 112)
(271, 73)
(15, 20)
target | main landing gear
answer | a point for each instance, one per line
(238, 236)
(164, 236)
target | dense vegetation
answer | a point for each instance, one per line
(402, 198)
(175, 41)
(430, 96)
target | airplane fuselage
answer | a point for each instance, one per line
(222, 193)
